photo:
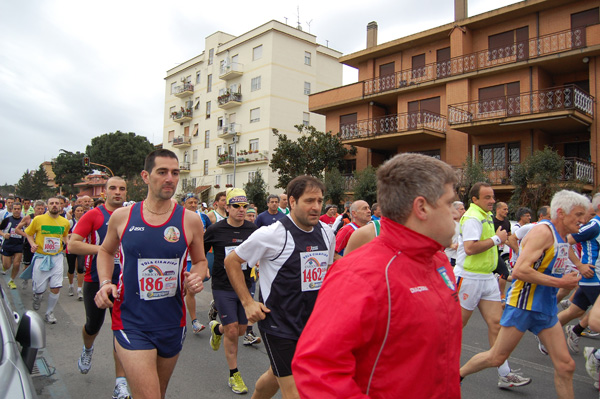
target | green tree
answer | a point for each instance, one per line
(365, 186)
(123, 153)
(34, 185)
(24, 187)
(7, 189)
(472, 172)
(312, 154)
(335, 188)
(69, 170)
(136, 188)
(256, 191)
(537, 179)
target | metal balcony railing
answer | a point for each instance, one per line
(225, 98)
(390, 124)
(579, 170)
(548, 100)
(552, 43)
(183, 88)
(182, 140)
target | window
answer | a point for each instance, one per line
(254, 115)
(198, 77)
(254, 145)
(195, 156)
(257, 53)
(206, 167)
(217, 180)
(431, 153)
(500, 160)
(186, 131)
(418, 66)
(219, 150)
(207, 109)
(255, 84)
(211, 54)
(196, 102)
(443, 62)
(230, 178)
(306, 118)
(387, 69)
(209, 83)
(207, 139)
(194, 182)
(499, 100)
(348, 125)
(251, 176)
(173, 85)
(231, 149)
(171, 111)
(222, 66)
(423, 112)
(188, 79)
(510, 43)
(307, 88)
(220, 123)
(195, 132)
(307, 58)
(171, 135)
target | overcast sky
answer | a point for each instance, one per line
(71, 70)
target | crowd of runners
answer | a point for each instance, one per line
(419, 256)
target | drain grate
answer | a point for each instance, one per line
(41, 368)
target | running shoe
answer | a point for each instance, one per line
(565, 303)
(572, 339)
(11, 284)
(215, 340)
(589, 333)
(25, 283)
(3, 271)
(50, 319)
(37, 301)
(79, 295)
(592, 365)
(237, 384)
(513, 379)
(541, 346)
(85, 361)
(197, 326)
(121, 391)
(71, 291)
(212, 312)
(250, 339)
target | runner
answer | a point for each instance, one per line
(46, 235)
(88, 235)
(223, 237)
(361, 215)
(531, 300)
(219, 213)
(283, 204)
(272, 214)
(39, 207)
(75, 261)
(406, 268)
(148, 318)
(12, 246)
(294, 254)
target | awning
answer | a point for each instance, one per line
(202, 189)
(195, 132)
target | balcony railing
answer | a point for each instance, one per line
(228, 160)
(229, 130)
(187, 89)
(390, 124)
(231, 70)
(184, 167)
(567, 97)
(579, 170)
(182, 116)
(533, 48)
(182, 141)
(228, 100)
(349, 182)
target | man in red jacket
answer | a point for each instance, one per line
(406, 269)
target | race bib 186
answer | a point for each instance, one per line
(158, 278)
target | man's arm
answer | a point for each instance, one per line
(512, 242)
(212, 217)
(78, 247)
(478, 246)
(105, 261)
(24, 223)
(255, 311)
(586, 271)
(534, 245)
(199, 270)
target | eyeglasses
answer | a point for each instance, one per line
(236, 206)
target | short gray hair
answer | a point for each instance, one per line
(407, 176)
(271, 196)
(567, 200)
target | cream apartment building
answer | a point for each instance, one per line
(221, 106)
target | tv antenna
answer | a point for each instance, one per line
(308, 23)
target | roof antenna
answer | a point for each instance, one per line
(308, 23)
(299, 27)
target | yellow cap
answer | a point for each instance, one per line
(236, 196)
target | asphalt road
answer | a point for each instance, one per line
(202, 372)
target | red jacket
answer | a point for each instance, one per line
(337, 351)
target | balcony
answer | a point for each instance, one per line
(182, 116)
(243, 158)
(185, 90)
(231, 70)
(184, 167)
(229, 100)
(556, 109)
(541, 46)
(387, 132)
(229, 130)
(182, 141)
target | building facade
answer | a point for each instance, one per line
(221, 106)
(496, 86)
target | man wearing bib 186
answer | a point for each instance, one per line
(149, 318)
(531, 300)
(294, 255)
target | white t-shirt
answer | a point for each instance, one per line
(452, 253)
(471, 231)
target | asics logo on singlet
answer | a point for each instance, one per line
(420, 288)
(134, 228)
(313, 248)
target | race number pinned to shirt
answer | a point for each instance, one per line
(560, 264)
(51, 245)
(158, 278)
(228, 251)
(313, 266)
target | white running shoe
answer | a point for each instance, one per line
(121, 391)
(85, 360)
(572, 339)
(541, 346)
(592, 365)
(197, 326)
(71, 291)
(50, 319)
(513, 379)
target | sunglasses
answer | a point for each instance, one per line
(236, 206)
